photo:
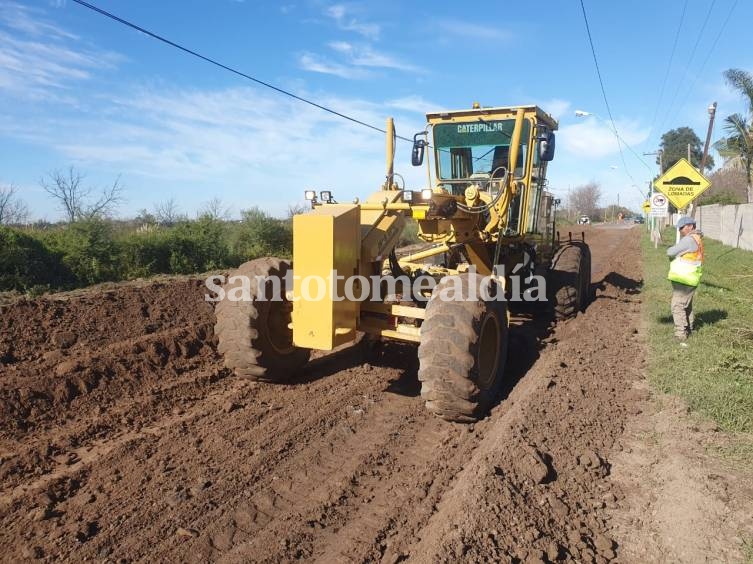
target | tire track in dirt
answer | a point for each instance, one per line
(537, 484)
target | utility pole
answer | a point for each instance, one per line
(704, 158)
(660, 155)
(712, 114)
(619, 211)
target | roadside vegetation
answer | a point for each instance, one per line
(714, 374)
(93, 250)
(44, 258)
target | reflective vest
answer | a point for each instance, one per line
(688, 267)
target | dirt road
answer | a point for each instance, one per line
(124, 439)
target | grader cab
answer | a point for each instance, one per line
(490, 244)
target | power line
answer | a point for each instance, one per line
(604, 94)
(669, 65)
(230, 69)
(708, 54)
(690, 61)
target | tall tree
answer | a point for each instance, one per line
(76, 200)
(167, 213)
(674, 146)
(584, 200)
(215, 209)
(12, 209)
(737, 146)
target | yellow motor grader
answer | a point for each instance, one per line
(487, 223)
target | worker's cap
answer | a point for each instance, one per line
(685, 220)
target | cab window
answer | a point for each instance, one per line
(464, 149)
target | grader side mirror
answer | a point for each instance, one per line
(546, 147)
(419, 146)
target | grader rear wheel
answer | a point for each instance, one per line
(463, 351)
(253, 334)
(570, 280)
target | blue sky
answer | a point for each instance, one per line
(78, 89)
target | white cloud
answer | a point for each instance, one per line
(246, 145)
(472, 31)
(356, 61)
(341, 14)
(555, 107)
(593, 139)
(29, 20)
(316, 63)
(415, 104)
(38, 59)
(367, 57)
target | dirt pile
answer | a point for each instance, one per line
(72, 358)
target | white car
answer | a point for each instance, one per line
(584, 220)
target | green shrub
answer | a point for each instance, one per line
(409, 236)
(26, 263)
(92, 251)
(144, 254)
(88, 250)
(724, 198)
(259, 234)
(198, 246)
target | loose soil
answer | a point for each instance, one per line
(123, 438)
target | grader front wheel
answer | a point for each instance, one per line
(463, 350)
(253, 332)
(570, 280)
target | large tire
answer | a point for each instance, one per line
(463, 351)
(254, 335)
(570, 280)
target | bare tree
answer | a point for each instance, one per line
(295, 209)
(584, 200)
(12, 209)
(215, 209)
(76, 199)
(167, 212)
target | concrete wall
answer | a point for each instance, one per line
(732, 225)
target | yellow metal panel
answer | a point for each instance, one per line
(326, 239)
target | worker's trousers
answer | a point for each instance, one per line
(682, 309)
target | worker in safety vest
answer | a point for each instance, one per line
(685, 274)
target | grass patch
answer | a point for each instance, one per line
(748, 550)
(739, 451)
(714, 374)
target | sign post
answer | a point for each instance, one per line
(659, 209)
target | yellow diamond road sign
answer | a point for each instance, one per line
(646, 206)
(681, 184)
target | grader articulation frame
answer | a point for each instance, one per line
(488, 222)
